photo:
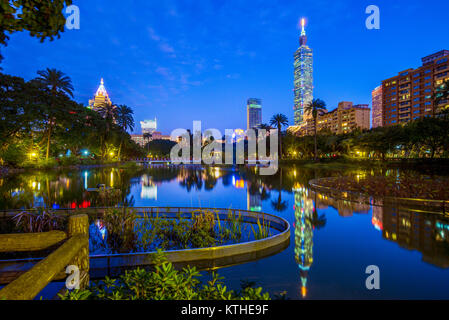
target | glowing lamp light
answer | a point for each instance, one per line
(303, 22)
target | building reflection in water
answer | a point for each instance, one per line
(149, 189)
(254, 201)
(303, 234)
(426, 232)
(345, 208)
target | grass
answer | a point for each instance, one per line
(147, 232)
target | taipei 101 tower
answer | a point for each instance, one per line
(303, 77)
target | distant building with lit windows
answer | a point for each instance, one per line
(377, 117)
(254, 113)
(409, 95)
(148, 126)
(345, 118)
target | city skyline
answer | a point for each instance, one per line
(168, 62)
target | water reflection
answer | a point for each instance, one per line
(306, 221)
(426, 232)
(149, 188)
(286, 194)
(303, 235)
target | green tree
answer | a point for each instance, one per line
(147, 136)
(125, 121)
(279, 120)
(43, 19)
(108, 112)
(58, 84)
(313, 108)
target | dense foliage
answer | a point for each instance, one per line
(40, 125)
(423, 138)
(43, 19)
(164, 283)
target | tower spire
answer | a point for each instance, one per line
(303, 38)
(303, 23)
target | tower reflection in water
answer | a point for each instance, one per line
(149, 189)
(303, 234)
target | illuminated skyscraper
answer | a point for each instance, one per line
(101, 97)
(303, 77)
(254, 113)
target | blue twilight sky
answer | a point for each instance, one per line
(190, 60)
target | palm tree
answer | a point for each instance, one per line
(58, 84)
(109, 113)
(265, 126)
(313, 107)
(279, 120)
(125, 121)
(147, 136)
(279, 205)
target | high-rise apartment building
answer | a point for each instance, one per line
(377, 107)
(303, 82)
(410, 95)
(346, 118)
(254, 113)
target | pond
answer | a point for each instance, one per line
(332, 241)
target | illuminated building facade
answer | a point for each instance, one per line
(303, 82)
(148, 126)
(254, 113)
(409, 95)
(377, 107)
(344, 119)
(139, 139)
(101, 97)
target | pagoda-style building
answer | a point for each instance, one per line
(101, 98)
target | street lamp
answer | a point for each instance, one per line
(32, 155)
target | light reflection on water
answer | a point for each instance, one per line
(332, 240)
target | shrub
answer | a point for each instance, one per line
(40, 221)
(120, 224)
(164, 283)
(69, 161)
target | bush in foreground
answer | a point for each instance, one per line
(164, 283)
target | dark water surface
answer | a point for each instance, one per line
(332, 241)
